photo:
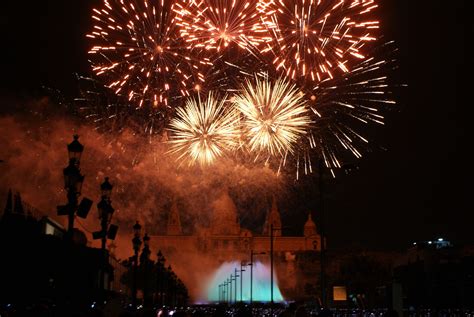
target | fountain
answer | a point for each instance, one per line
(261, 283)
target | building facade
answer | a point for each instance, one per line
(225, 240)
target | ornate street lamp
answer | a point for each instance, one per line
(137, 242)
(106, 211)
(75, 149)
(106, 188)
(73, 180)
(144, 262)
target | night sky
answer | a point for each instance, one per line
(416, 189)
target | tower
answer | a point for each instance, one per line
(273, 218)
(310, 227)
(173, 227)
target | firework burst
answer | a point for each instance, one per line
(346, 110)
(202, 131)
(313, 39)
(274, 115)
(138, 52)
(215, 24)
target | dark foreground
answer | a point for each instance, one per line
(114, 309)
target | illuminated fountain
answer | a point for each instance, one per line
(261, 283)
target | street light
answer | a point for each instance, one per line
(73, 180)
(106, 211)
(224, 291)
(227, 283)
(144, 258)
(160, 263)
(242, 264)
(137, 242)
(75, 149)
(252, 254)
(232, 279)
(106, 188)
(235, 286)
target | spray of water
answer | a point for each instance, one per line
(261, 283)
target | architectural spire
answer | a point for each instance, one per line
(309, 227)
(9, 205)
(174, 221)
(18, 208)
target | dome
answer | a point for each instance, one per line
(224, 215)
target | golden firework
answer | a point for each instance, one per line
(274, 115)
(204, 130)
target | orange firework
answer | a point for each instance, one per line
(312, 39)
(138, 52)
(215, 24)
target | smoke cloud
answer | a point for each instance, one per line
(33, 139)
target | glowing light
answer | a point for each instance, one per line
(261, 283)
(138, 52)
(202, 131)
(274, 115)
(312, 39)
(215, 24)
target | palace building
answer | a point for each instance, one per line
(225, 239)
(295, 257)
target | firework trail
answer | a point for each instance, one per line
(274, 115)
(215, 24)
(138, 52)
(345, 109)
(203, 130)
(313, 39)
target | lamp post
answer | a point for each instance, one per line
(106, 210)
(136, 248)
(160, 263)
(235, 285)
(242, 264)
(144, 260)
(224, 291)
(232, 279)
(73, 180)
(252, 254)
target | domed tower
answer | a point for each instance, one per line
(273, 218)
(173, 227)
(224, 215)
(310, 227)
(312, 238)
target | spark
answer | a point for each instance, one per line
(215, 24)
(274, 115)
(204, 130)
(138, 53)
(312, 40)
